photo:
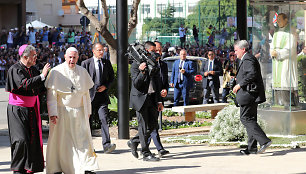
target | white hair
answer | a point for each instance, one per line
(242, 44)
(71, 49)
(171, 49)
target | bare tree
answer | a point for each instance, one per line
(101, 26)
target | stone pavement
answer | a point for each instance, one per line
(183, 158)
(188, 159)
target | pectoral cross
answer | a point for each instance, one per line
(72, 88)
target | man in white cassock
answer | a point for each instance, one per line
(70, 148)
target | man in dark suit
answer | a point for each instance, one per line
(102, 74)
(145, 98)
(250, 92)
(106, 54)
(164, 91)
(211, 70)
(182, 78)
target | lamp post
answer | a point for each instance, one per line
(99, 18)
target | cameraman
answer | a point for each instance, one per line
(230, 67)
(145, 98)
(250, 92)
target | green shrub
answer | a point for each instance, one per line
(203, 114)
(228, 127)
(169, 113)
(175, 124)
(113, 89)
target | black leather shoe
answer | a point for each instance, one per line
(133, 147)
(162, 152)
(110, 148)
(89, 172)
(264, 147)
(248, 152)
(150, 157)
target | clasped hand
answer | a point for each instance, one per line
(101, 88)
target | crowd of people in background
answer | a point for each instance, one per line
(51, 44)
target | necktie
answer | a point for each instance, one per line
(180, 78)
(210, 66)
(160, 71)
(100, 71)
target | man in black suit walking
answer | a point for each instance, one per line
(102, 74)
(164, 91)
(250, 92)
(146, 100)
(211, 70)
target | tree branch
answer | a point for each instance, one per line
(101, 26)
(133, 17)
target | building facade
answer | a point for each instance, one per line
(12, 14)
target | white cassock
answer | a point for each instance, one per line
(70, 148)
(284, 65)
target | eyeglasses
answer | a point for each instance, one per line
(232, 55)
(210, 54)
(34, 55)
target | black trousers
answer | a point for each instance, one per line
(146, 124)
(248, 117)
(155, 135)
(102, 110)
(210, 89)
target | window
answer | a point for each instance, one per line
(112, 9)
(145, 9)
(161, 8)
(178, 7)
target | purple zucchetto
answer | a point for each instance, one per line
(21, 49)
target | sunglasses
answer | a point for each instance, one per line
(210, 54)
(232, 55)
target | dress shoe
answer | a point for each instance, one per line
(110, 148)
(264, 147)
(133, 147)
(150, 157)
(162, 152)
(248, 152)
(89, 172)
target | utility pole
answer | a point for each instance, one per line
(122, 43)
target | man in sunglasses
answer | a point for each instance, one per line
(211, 70)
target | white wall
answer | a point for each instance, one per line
(46, 11)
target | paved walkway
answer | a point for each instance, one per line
(188, 159)
(184, 158)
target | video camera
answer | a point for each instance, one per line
(139, 54)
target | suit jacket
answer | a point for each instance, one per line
(187, 76)
(106, 55)
(217, 67)
(107, 79)
(140, 86)
(164, 75)
(249, 73)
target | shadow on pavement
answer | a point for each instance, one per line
(4, 141)
(2, 163)
(144, 170)
(201, 154)
(286, 151)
